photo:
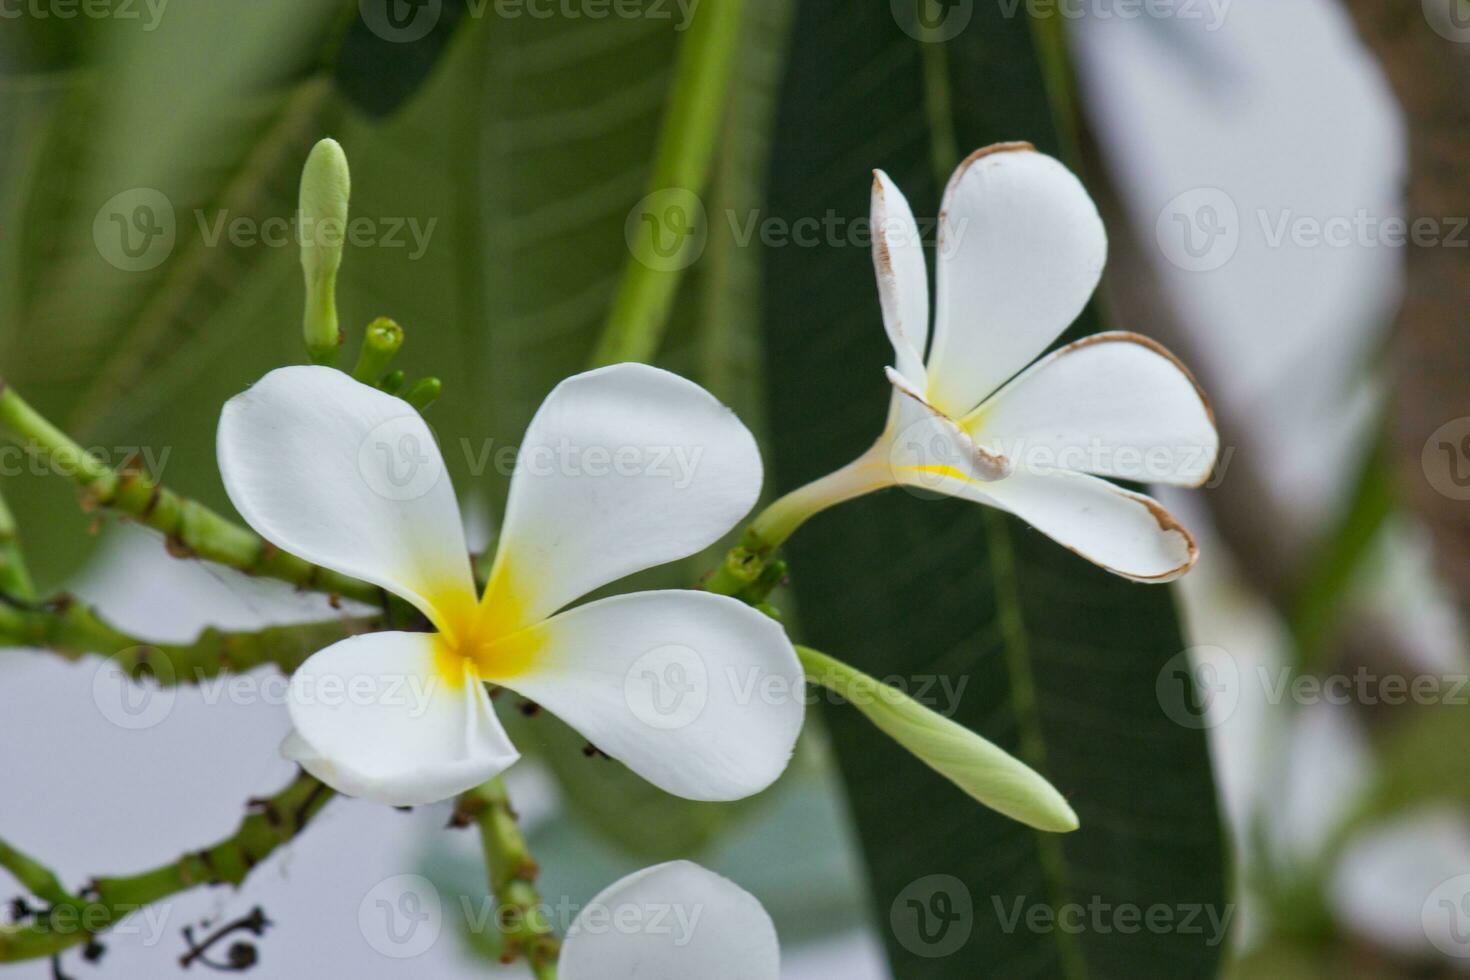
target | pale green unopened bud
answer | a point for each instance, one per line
(982, 769)
(380, 345)
(326, 189)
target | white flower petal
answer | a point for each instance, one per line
(903, 277)
(623, 468)
(675, 921)
(1124, 532)
(1115, 404)
(699, 694)
(349, 478)
(1021, 249)
(925, 444)
(394, 718)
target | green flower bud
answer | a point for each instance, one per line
(380, 343)
(982, 769)
(326, 188)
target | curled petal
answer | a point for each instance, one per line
(1114, 404)
(1124, 532)
(903, 277)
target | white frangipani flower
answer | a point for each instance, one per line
(1020, 250)
(675, 921)
(351, 479)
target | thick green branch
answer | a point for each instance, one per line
(34, 876)
(192, 530)
(15, 579)
(513, 874)
(106, 901)
(72, 630)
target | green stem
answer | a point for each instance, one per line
(73, 631)
(191, 529)
(15, 579)
(747, 572)
(699, 94)
(513, 872)
(76, 919)
(35, 877)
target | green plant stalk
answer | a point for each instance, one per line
(512, 873)
(106, 901)
(35, 877)
(746, 564)
(15, 578)
(380, 344)
(699, 94)
(73, 631)
(191, 529)
(323, 335)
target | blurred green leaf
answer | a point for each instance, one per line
(1060, 659)
(125, 276)
(379, 67)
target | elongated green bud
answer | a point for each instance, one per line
(326, 188)
(982, 769)
(392, 382)
(423, 392)
(380, 343)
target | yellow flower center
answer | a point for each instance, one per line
(492, 637)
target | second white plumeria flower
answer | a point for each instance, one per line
(1020, 251)
(351, 479)
(675, 921)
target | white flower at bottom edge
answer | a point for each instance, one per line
(675, 921)
(1020, 250)
(622, 468)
